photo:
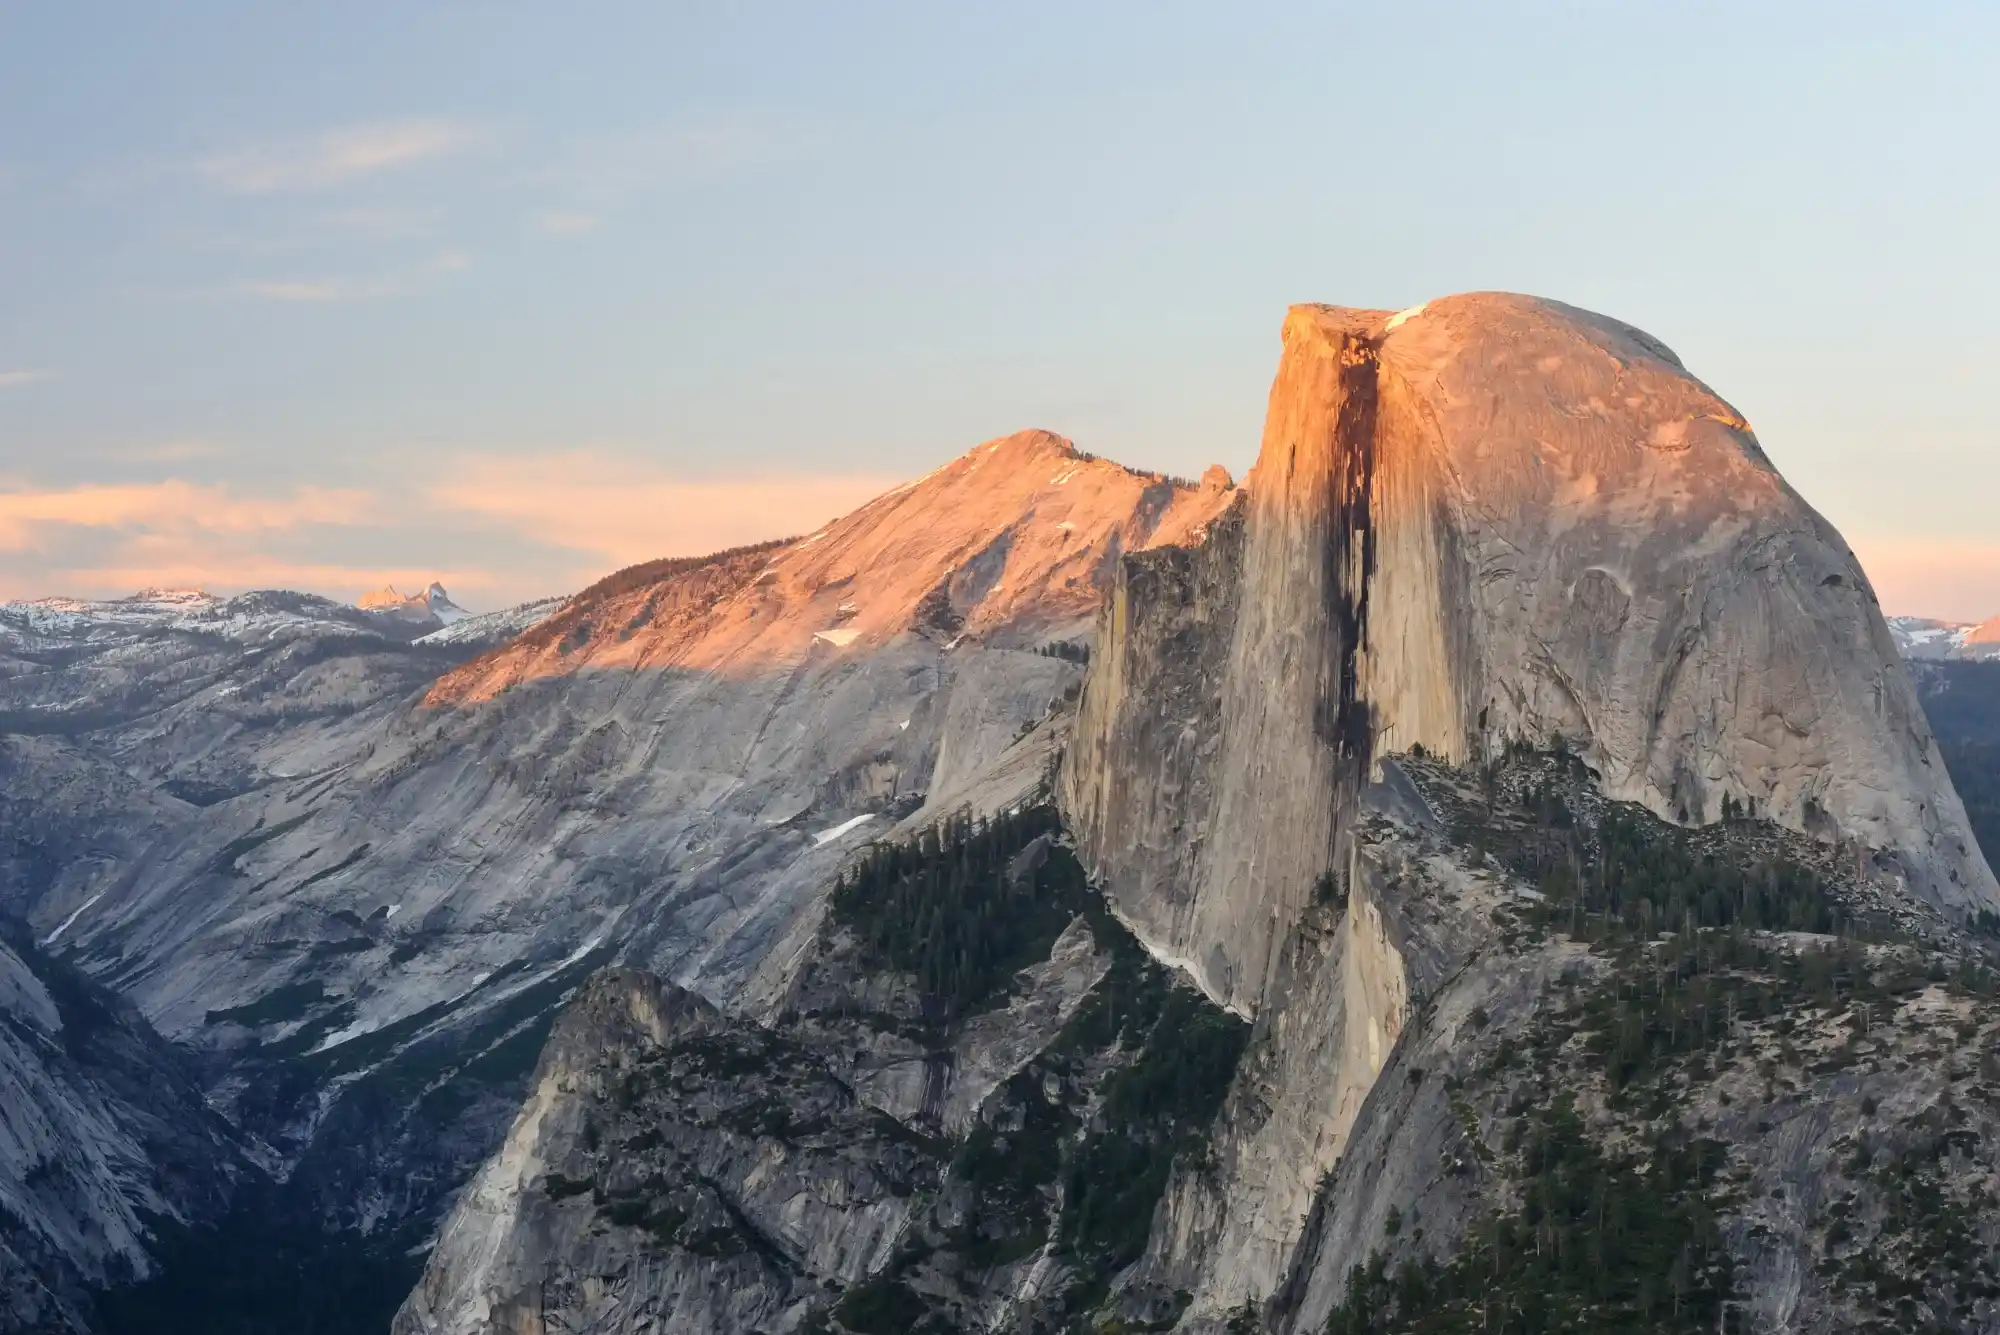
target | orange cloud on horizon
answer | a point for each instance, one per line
(173, 504)
(627, 512)
(598, 510)
(581, 514)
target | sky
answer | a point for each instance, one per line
(328, 296)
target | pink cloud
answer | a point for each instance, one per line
(626, 512)
(27, 515)
(173, 533)
(227, 572)
(541, 525)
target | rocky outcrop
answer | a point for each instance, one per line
(882, 1155)
(1796, 1160)
(104, 1140)
(1484, 522)
(751, 1174)
(1492, 518)
(369, 927)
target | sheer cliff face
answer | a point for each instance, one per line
(1637, 575)
(1488, 518)
(105, 1141)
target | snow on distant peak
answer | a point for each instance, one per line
(489, 628)
(170, 597)
(1930, 638)
(247, 617)
(433, 602)
(441, 605)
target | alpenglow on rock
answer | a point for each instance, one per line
(1487, 518)
(403, 853)
(1485, 521)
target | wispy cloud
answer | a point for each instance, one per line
(28, 514)
(322, 291)
(384, 224)
(165, 563)
(296, 291)
(336, 158)
(566, 224)
(498, 529)
(16, 379)
(112, 540)
(623, 510)
(168, 452)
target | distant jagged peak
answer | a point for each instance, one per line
(433, 602)
(171, 597)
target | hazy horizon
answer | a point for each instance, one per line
(510, 298)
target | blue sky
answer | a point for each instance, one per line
(513, 294)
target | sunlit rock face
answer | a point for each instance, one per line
(666, 771)
(1013, 540)
(1485, 520)
(1489, 518)
(1636, 575)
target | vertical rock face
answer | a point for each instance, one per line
(740, 1224)
(1634, 573)
(1489, 519)
(104, 1142)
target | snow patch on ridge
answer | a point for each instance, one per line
(66, 923)
(1397, 320)
(827, 836)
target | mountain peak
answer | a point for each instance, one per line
(381, 599)
(432, 604)
(1486, 520)
(169, 596)
(1010, 542)
(1032, 443)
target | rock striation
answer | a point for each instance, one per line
(367, 920)
(1488, 521)
(104, 1140)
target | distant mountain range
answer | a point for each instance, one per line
(1400, 893)
(269, 614)
(433, 604)
(1925, 637)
